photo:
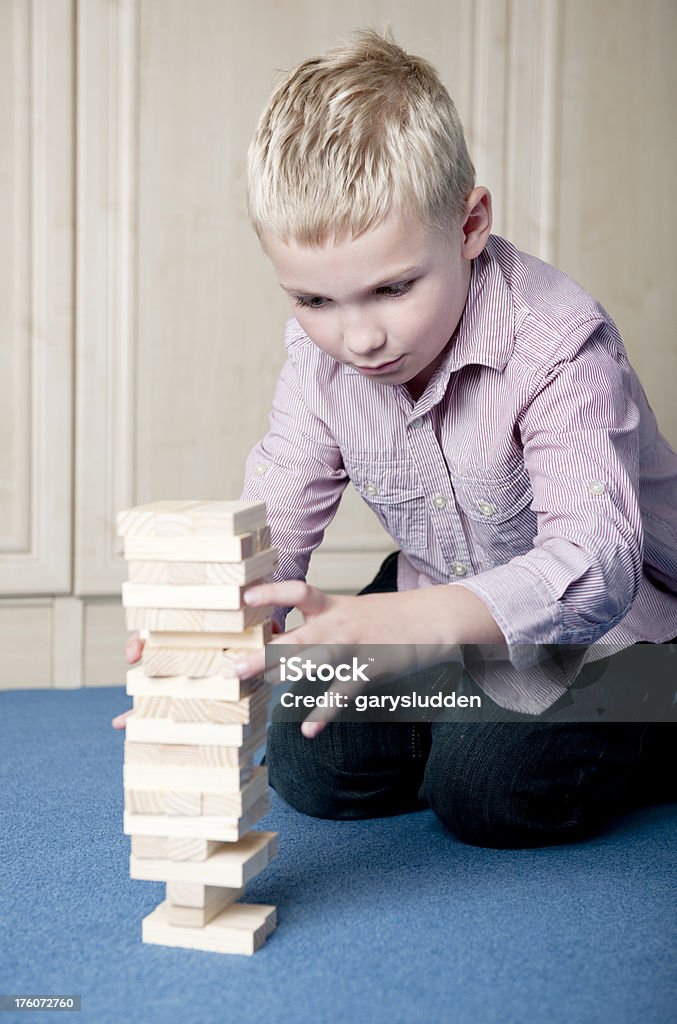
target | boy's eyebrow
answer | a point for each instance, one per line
(396, 278)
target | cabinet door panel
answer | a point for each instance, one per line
(36, 296)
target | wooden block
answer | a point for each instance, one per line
(178, 755)
(191, 518)
(199, 780)
(262, 539)
(182, 802)
(152, 707)
(192, 894)
(192, 755)
(197, 549)
(141, 518)
(241, 928)
(150, 848)
(158, 801)
(192, 802)
(231, 864)
(146, 753)
(196, 620)
(248, 639)
(221, 597)
(162, 849)
(218, 687)
(191, 849)
(195, 663)
(228, 830)
(181, 573)
(172, 661)
(197, 917)
(147, 801)
(246, 710)
(233, 805)
(163, 730)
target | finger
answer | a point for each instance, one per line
(312, 729)
(320, 718)
(134, 649)
(290, 645)
(249, 663)
(290, 593)
(120, 721)
(340, 695)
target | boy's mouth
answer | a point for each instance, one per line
(373, 371)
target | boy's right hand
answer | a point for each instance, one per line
(133, 652)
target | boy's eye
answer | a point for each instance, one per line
(395, 290)
(392, 291)
(310, 301)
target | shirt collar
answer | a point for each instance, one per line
(486, 330)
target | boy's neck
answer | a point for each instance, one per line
(417, 385)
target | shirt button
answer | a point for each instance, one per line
(459, 569)
(260, 468)
(415, 424)
(371, 488)
(439, 501)
(596, 486)
(486, 508)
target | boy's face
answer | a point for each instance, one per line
(387, 302)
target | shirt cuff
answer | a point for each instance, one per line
(523, 608)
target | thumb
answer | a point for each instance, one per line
(120, 721)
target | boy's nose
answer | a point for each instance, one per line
(361, 341)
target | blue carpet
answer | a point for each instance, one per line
(390, 920)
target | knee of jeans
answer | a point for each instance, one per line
(487, 824)
(503, 809)
(298, 774)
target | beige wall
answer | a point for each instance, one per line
(141, 326)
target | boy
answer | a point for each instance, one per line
(484, 406)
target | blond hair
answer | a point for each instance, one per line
(350, 136)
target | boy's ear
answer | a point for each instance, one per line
(477, 224)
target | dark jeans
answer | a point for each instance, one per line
(492, 783)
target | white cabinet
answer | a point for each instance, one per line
(36, 334)
(36, 297)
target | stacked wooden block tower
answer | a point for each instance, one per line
(192, 793)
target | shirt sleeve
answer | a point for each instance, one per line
(581, 450)
(297, 469)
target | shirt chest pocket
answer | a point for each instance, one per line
(398, 501)
(497, 509)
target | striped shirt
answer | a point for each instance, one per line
(530, 471)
